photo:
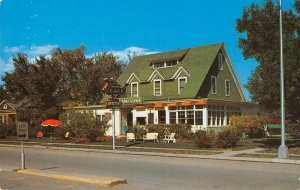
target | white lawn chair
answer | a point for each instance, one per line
(130, 137)
(169, 138)
(150, 137)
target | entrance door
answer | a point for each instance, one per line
(162, 116)
(129, 119)
(150, 118)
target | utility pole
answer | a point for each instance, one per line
(283, 149)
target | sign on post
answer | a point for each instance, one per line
(22, 130)
(113, 103)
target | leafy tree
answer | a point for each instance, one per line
(67, 78)
(3, 94)
(259, 29)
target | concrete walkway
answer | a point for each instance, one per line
(234, 153)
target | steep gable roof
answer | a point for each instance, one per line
(195, 64)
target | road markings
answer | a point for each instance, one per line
(102, 181)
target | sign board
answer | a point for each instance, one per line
(22, 130)
(131, 100)
(118, 90)
(113, 103)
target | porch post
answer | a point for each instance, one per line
(205, 116)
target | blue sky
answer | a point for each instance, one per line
(37, 26)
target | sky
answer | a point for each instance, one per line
(35, 27)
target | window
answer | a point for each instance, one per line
(157, 87)
(220, 61)
(190, 117)
(159, 65)
(199, 119)
(171, 63)
(4, 119)
(134, 89)
(181, 83)
(181, 117)
(213, 85)
(164, 64)
(172, 117)
(227, 87)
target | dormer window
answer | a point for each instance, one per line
(157, 87)
(159, 65)
(220, 61)
(171, 63)
(134, 89)
(181, 83)
(164, 64)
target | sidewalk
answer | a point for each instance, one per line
(237, 155)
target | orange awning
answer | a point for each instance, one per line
(186, 103)
(172, 104)
(140, 107)
(201, 102)
(159, 105)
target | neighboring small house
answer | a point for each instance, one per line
(195, 85)
(8, 113)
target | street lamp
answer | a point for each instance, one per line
(283, 151)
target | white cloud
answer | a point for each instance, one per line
(5, 67)
(123, 54)
(32, 51)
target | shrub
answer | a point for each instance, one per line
(252, 125)
(82, 124)
(4, 130)
(203, 139)
(229, 137)
(293, 129)
(138, 130)
(161, 129)
(95, 130)
(182, 131)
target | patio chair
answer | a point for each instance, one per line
(244, 138)
(40, 135)
(150, 137)
(130, 137)
(169, 138)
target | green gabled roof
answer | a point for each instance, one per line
(140, 65)
(196, 61)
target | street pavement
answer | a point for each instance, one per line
(144, 171)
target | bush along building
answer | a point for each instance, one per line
(197, 86)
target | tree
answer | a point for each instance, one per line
(3, 94)
(67, 78)
(259, 29)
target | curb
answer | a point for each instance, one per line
(212, 157)
(101, 181)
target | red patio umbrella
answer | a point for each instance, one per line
(52, 123)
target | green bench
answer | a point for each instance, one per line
(272, 130)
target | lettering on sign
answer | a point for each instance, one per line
(131, 100)
(22, 130)
(117, 90)
(113, 103)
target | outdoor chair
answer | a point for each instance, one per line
(150, 137)
(39, 135)
(169, 138)
(244, 138)
(130, 137)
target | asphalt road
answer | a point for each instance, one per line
(147, 172)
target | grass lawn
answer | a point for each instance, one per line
(269, 144)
